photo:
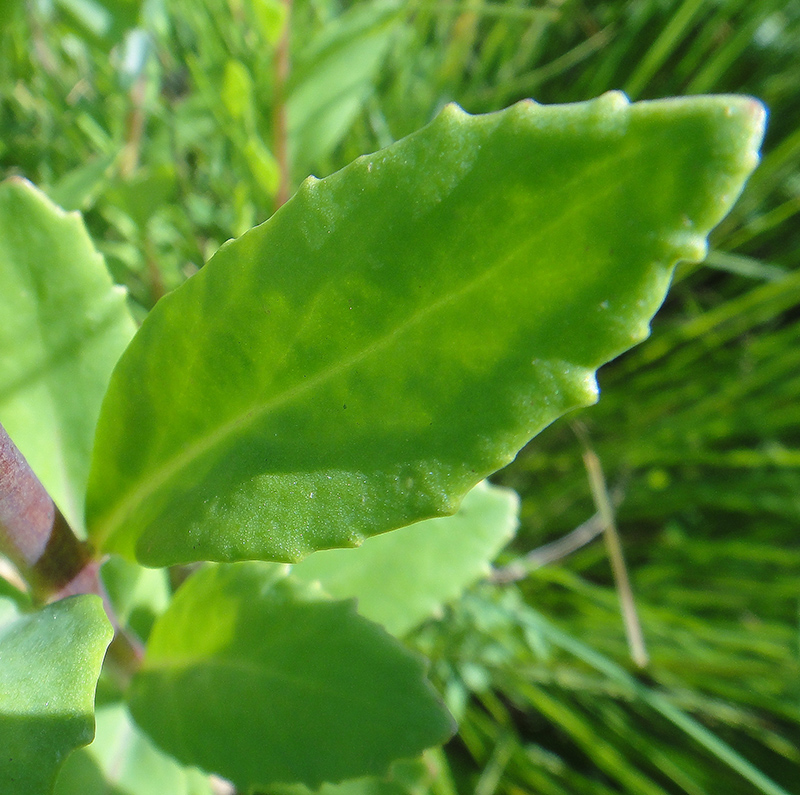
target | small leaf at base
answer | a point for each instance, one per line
(250, 675)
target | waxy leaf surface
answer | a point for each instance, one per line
(399, 330)
(63, 328)
(255, 677)
(402, 578)
(49, 664)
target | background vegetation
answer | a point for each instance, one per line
(176, 124)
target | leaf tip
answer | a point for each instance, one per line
(16, 179)
(690, 246)
(745, 123)
(756, 115)
(452, 110)
(613, 101)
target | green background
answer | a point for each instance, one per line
(696, 429)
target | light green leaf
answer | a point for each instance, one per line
(49, 664)
(137, 594)
(398, 331)
(63, 328)
(252, 676)
(407, 777)
(332, 79)
(108, 19)
(359, 786)
(123, 761)
(237, 91)
(263, 165)
(78, 189)
(402, 578)
(271, 16)
(14, 592)
(142, 194)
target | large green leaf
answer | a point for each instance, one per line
(253, 676)
(123, 761)
(49, 664)
(402, 578)
(63, 328)
(401, 329)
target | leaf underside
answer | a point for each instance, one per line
(50, 663)
(251, 675)
(399, 330)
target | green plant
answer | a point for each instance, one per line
(360, 362)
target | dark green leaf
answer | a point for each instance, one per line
(400, 330)
(79, 188)
(137, 594)
(250, 675)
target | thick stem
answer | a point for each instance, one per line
(34, 535)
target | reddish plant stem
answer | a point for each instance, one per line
(34, 535)
(280, 124)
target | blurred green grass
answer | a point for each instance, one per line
(158, 121)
